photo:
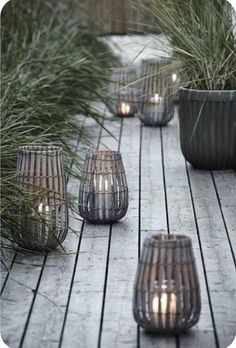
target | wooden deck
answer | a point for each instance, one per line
(83, 299)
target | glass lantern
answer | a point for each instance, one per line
(157, 92)
(166, 291)
(40, 216)
(122, 95)
(103, 193)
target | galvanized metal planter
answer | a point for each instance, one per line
(42, 223)
(122, 95)
(157, 92)
(208, 128)
(166, 291)
(103, 193)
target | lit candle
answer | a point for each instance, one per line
(156, 99)
(165, 304)
(174, 77)
(157, 106)
(125, 108)
(40, 208)
(103, 195)
(44, 211)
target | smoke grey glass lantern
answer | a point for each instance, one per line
(122, 95)
(166, 291)
(41, 217)
(157, 92)
(103, 193)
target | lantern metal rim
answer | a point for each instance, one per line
(97, 154)
(168, 239)
(40, 149)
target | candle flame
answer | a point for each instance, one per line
(156, 99)
(125, 108)
(40, 208)
(174, 77)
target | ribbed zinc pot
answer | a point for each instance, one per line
(208, 128)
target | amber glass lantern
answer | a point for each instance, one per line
(166, 291)
(103, 193)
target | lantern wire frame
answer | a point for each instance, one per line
(166, 290)
(157, 91)
(40, 215)
(122, 99)
(103, 193)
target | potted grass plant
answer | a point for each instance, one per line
(201, 34)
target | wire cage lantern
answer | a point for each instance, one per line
(166, 291)
(123, 92)
(41, 214)
(157, 91)
(103, 193)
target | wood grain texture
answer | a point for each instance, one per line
(119, 329)
(56, 280)
(153, 215)
(99, 282)
(18, 295)
(218, 259)
(153, 209)
(7, 259)
(84, 313)
(225, 182)
(182, 221)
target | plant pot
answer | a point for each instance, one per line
(208, 128)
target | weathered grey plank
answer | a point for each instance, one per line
(218, 259)
(18, 295)
(225, 182)
(119, 327)
(84, 313)
(7, 258)
(47, 317)
(153, 209)
(182, 221)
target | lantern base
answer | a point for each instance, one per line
(103, 222)
(171, 331)
(124, 116)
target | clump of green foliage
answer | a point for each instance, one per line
(202, 35)
(51, 72)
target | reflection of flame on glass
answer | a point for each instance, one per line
(125, 108)
(174, 77)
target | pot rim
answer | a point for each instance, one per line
(207, 90)
(210, 95)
